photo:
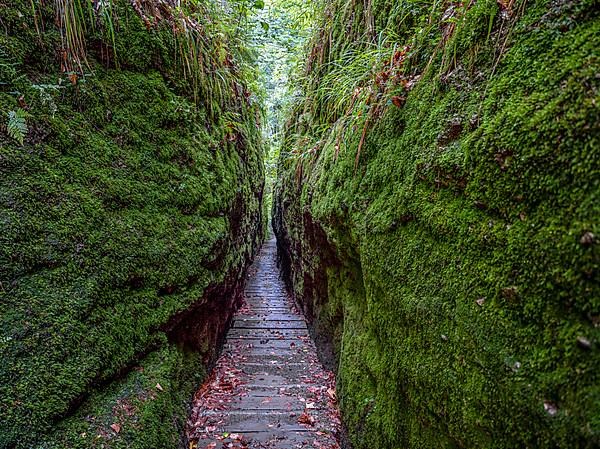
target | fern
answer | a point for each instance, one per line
(17, 126)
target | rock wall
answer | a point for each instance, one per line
(438, 215)
(129, 214)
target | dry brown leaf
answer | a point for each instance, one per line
(398, 101)
(332, 394)
(305, 418)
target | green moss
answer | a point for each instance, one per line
(465, 218)
(147, 408)
(127, 201)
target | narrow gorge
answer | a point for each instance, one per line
(437, 212)
(430, 171)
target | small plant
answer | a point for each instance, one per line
(46, 92)
(17, 126)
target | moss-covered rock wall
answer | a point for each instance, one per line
(438, 216)
(129, 213)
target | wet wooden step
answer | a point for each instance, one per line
(268, 389)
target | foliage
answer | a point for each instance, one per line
(277, 31)
(127, 200)
(454, 263)
(17, 126)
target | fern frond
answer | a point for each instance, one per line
(17, 125)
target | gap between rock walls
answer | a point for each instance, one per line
(429, 171)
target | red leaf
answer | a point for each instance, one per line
(398, 101)
(305, 418)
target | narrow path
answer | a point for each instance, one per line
(268, 389)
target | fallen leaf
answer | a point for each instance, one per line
(305, 418)
(116, 427)
(398, 101)
(550, 408)
(158, 387)
(331, 393)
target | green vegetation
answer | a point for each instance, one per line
(137, 411)
(131, 177)
(437, 207)
(278, 32)
(438, 215)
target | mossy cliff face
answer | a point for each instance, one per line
(129, 215)
(454, 263)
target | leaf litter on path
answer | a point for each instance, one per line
(268, 390)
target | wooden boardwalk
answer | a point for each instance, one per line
(268, 389)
